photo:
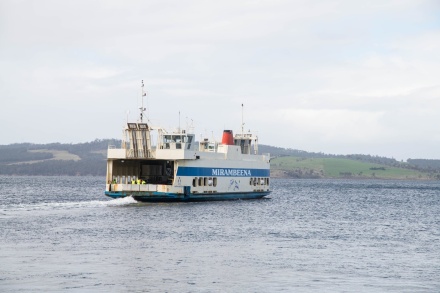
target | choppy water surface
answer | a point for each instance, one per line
(63, 234)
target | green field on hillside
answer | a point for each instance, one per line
(338, 168)
(90, 159)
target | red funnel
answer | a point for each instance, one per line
(227, 138)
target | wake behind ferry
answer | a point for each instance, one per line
(178, 168)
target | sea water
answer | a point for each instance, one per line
(63, 234)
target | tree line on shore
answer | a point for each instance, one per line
(18, 159)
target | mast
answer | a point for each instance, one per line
(142, 109)
(242, 121)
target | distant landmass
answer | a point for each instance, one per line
(89, 159)
(82, 159)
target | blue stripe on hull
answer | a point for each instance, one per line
(166, 197)
(222, 172)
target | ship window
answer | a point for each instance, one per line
(200, 181)
(189, 141)
(205, 181)
(267, 181)
(195, 182)
(210, 181)
(215, 181)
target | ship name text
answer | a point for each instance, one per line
(231, 172)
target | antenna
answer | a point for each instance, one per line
(242, 120)
(142, 109)
(148, 107)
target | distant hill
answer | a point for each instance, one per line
(336, 167)
(291, 163)
(89, 159)
(55, 159)
(282, 152)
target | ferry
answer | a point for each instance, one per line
(176, 167)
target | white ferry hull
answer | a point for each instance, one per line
(196, 182)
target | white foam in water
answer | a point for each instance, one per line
(72, 205)
(120, 201)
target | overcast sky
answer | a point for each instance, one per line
(338, 77)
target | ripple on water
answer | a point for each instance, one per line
(309, 235)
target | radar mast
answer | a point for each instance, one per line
(142, 109)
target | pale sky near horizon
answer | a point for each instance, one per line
(339, 77)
